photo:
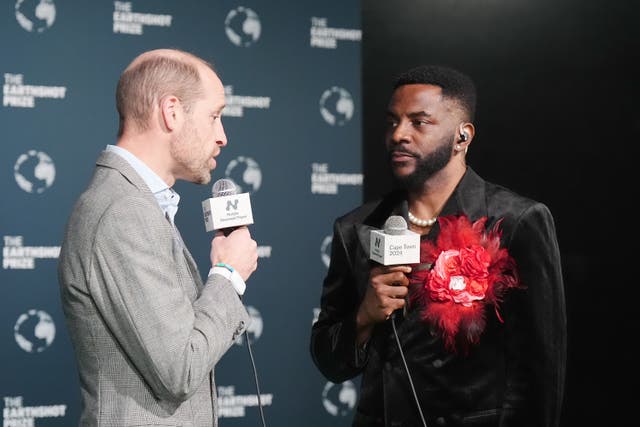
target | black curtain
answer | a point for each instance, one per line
(557, 121)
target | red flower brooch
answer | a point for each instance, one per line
(469, 270)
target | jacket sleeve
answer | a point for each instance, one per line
(333, 335)
(535, 322)
(171, 339)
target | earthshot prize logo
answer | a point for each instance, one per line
(35, 16)
(245, 174)
(339, 399)
(336, 106)
(236, 104)
(325, 37)
(15, 93)
(34, 331)
(15, 414)
(34, 171)
(16, 256)
(242, 26)
(126, 21)
(232, 405)
(325, 182)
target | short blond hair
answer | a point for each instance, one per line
(152, 76)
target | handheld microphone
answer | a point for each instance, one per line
(395, 244)
(226, 209)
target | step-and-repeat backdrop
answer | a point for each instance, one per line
(291, 70)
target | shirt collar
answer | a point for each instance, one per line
(166, 197)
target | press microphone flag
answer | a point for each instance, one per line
(395, 244)
(226, 209)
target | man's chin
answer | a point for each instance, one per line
(203, 179)
(405, 179)
(401, 171)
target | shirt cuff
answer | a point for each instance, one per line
(228, 272)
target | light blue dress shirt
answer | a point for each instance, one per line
(166, 197)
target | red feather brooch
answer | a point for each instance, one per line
(469, 270)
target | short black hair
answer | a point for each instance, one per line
(454, 84)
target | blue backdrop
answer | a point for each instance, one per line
(291, 70)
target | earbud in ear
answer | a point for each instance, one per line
(463, 136)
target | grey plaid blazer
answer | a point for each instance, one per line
(146, 331)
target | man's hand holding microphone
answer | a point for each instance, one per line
(234, 253)
(237, 249)
(394, 248)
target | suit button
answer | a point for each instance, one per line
(437, 363)
(441, 421)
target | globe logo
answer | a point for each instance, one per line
(245, 173)
(255, 327)
(325, 250)
(339, 399)
(242, 26)
(34, 171)
(35, 15)
(34, 331)
(336, 106)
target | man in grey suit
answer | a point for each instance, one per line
(147, 332)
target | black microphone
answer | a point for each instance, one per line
(226, 209)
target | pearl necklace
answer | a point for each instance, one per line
(421, 222)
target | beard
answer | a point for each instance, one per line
(425, 168)
(188, 150)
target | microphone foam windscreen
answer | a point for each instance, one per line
(395, 224)
(223, 187)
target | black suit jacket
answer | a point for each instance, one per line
(513, 377)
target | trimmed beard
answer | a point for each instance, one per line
(186, 149)
(425, 168)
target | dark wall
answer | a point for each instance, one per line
(556, 121)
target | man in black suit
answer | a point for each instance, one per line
(475, 334)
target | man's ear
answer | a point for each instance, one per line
(171, 112)
(466, 133)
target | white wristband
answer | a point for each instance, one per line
(230, 273)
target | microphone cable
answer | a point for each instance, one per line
(406, 368)
(255, 376)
